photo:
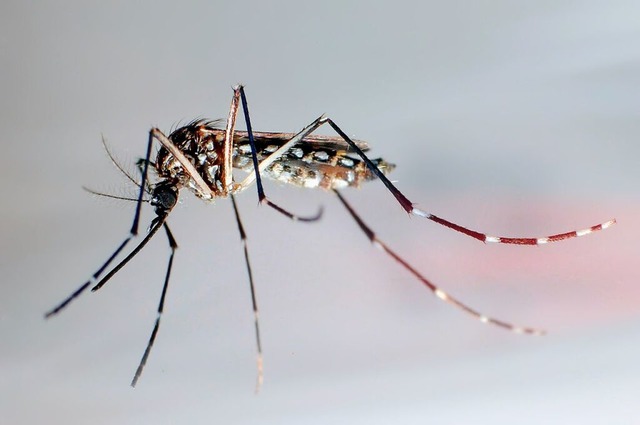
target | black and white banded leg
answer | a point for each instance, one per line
(143, 361)
(254, 302)
(441, 294)
(164, 198)
(133, 232)
(408, 206)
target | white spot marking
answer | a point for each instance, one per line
(351, 176)
(276, 169)
(542, 241)
(441, 294)
(420, 213)
(339, 184)
(213, 172)
(321, 155)
(492, 239)
(583, 232)
(242, 161)
(311, 182)
(347, 162)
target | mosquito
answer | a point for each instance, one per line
(201, 156)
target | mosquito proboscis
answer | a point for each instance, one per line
(201, 156)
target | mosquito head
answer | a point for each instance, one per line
(164, 197)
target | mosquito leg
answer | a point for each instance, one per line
(262, 198)
(226, 167)
(406, 204)
(433, 288)
(173, 245)
(409, 208)
(155, 226)
(243, 236)
(132, 233)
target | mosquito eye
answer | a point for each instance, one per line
(164, 199)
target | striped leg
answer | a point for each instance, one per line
(408, 206)
(433, 288)
(133, 232)
(254, 302)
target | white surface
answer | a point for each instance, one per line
(509, 118)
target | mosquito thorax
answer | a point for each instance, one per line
(202, 144)
(164, 197)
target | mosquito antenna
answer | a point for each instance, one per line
(109, 195)
(117, 164)
(126, 173)
(436, 290)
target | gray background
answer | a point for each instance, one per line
(509, 117)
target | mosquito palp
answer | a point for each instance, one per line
(201, 157)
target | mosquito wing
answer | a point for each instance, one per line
(265, 138)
